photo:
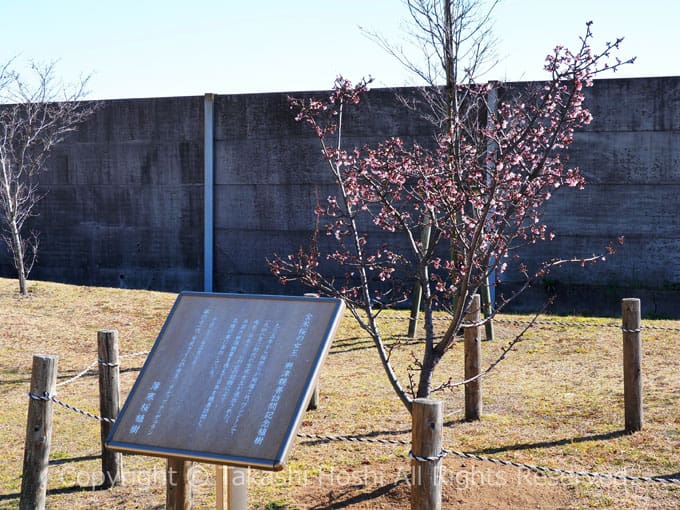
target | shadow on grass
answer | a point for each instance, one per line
(368, 435)
(359, 498)
(55, 492)
(558, 442)
(15, 381)
(350, 344)
(58, 462)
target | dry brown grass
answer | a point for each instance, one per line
(556, 401)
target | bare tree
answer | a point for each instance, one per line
(35, 115)
(449, 43)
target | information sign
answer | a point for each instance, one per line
(228, 379)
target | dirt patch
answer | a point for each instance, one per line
(465, 485)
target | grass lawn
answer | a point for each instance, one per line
(557, 401)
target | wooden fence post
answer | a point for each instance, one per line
(632, 356)
(38, 433)
(473, 363)
(178, 494)
(109, 403)
(426, 443)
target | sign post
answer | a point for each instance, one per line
(228, 381)
(220, 487)
(238, 488)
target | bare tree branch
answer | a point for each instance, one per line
(35, 116)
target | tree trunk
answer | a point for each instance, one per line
(430, 360)
(18, 253)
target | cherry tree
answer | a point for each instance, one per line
(481, 190)
(35, 116)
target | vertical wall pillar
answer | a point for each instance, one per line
(208, 193)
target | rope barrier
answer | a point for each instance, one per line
(100, 362)
(531, 467)
(133, 354)
(547, 323)
(401, 442)
(559, 323)
(353, 439)
(444, 452)
(427, 459)
(52, 398)
(660, 328)
(543, 469)
(79, 375)
(587, 324)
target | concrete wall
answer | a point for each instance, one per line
(269, 174)
(630, 155)
(124, 204)
(124, 199)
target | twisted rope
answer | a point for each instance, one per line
(428, 459)
(543, 469)
(547, 323)
(100, 362)
(558, 323)
(79, 375)
(530, 467)
(133, 354)
(51, 398)
(353, 439)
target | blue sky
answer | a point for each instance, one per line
(138, 48)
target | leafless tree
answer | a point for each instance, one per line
(449, 45)
(36, 114)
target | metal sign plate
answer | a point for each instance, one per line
(228, 379)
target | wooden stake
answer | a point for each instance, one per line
(473, 363)
(426, 441)
(314, 401)
(632, 356)
(109, 403)
(221, 488)
(178, 485)
(487, 309)
(38, 434)
(417, 295)
(416, 298)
